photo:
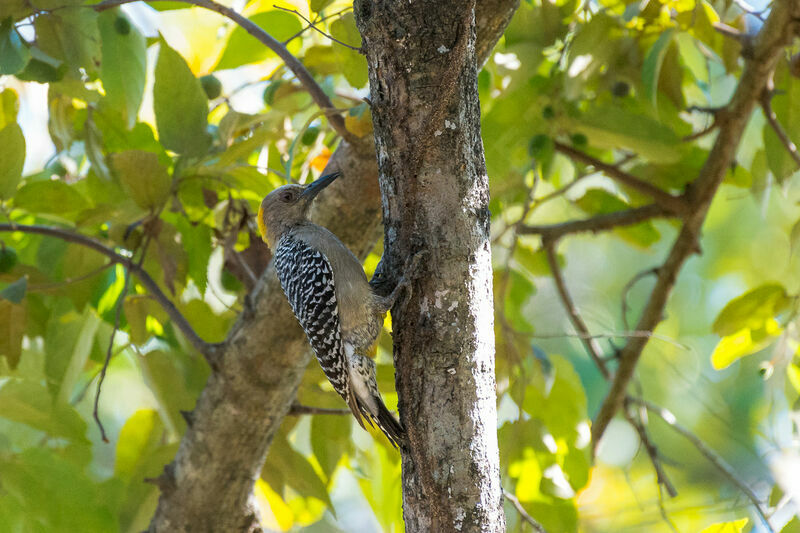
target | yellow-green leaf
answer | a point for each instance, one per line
(752, 310)
(12, 157)
(744, 342)
(735, 526)
(143, 177)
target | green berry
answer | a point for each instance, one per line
(212, 86)
(122, 25)
(539, 145)
(620, 89)
(8, 259)
(548, 113)
(579, 139)
(310, 135)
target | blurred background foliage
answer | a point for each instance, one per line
(158, 128)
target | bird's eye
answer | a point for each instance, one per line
(287, 196)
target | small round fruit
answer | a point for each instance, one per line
(579, 139)
(310, 135)
(8, 259)
(620, 89)
(539, 145)
(212, 86)
(548, 113)
(122, 25)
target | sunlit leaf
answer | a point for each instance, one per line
(243, 48)
(12, 157)
(180, 105)
(30, 403)
(353, 65)
(744, 342)
(752, 310)
(736, 526)
(71, 35)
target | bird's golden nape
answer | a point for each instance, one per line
(262, 227)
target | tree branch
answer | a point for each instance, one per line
(675, 204)
(710, 455)
(294, 64)
(209, 350)
(590, 342)
(598, 223)
(776, 33)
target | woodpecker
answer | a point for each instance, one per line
(328, 291)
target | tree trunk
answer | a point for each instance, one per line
(208, 486)
(423, 86)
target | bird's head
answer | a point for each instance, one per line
(287, 206)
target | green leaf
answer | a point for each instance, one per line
(52, 197)
(58, 493)
(12, 158)
(297, 472)
(136, 314)
(29, 403)
(330, 441)
(180, 105)
(139, 437)
(79, 355)
(318, 5)
(9, 106)
(535, 261)
(736, 526)
(14, 53)
(71, 35)
(13, 320)
(793, 526)
(196, 240)
(614, 127)
(752, 310)
(353, 65)
(15, 292)
(652, 65)
(143, 177)
(124, 65)
(600, 201)
(243, 48)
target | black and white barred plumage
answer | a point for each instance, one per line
(307, 279)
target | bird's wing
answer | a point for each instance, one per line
(307, 279)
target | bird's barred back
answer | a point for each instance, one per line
(307, 279)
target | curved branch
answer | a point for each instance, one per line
(209, 350)
(598, 223)
(776, 33)
(676, 204)
(294, 64)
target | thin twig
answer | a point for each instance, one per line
(652, 452)
(675, 204)
(523, 513)
(612, 335)
(297, 410)
(44, 287)
(312, 26)
(599, 223)
(592, 346)
(772, 118)
(710, 455)
(294, 64)
(209, 350)
(627, 288)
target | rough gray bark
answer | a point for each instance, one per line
(435, 191)
(208, 486)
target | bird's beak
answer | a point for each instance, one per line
(315, 187)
